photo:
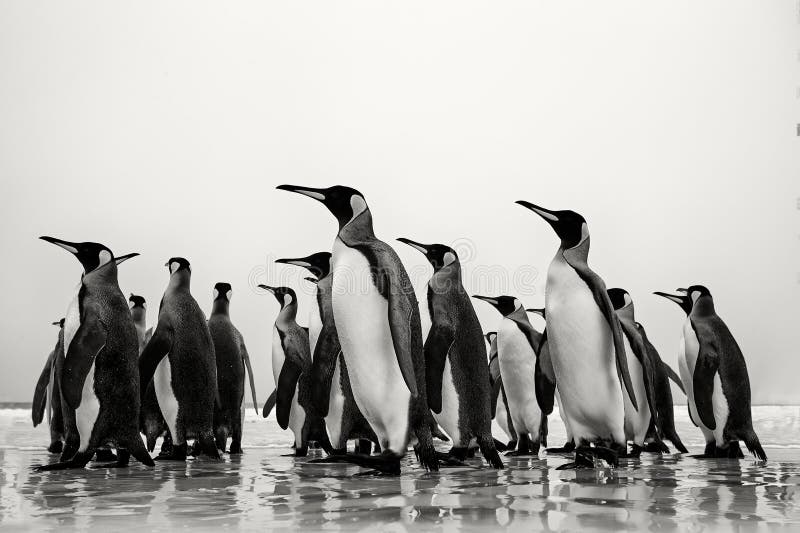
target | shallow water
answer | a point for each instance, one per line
(263, 490)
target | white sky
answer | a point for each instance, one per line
(163, 128)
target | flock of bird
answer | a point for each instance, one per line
(362, 372)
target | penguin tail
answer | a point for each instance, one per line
(672, 436)
(753, 445)
(489, 450)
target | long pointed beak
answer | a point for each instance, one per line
(57, 323)
(672, 297)
(316, 194)
(488, 299)
(541, 211)
(71, 247)
(301, 262)
(539, 312)
(267, 288)
(121, 259)
(417, 246)
(684, 291)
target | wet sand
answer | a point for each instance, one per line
(263, 490)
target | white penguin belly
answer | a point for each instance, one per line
(277, 355)
(362, 322)
(167, 402)
(563, 415)
(314, 325)
(718, 401)
(501, 416)
(87, 411)
(583, 356)
(636, 421)
(448, 418)
(517, 366)
(333, 420)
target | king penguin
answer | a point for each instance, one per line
(586, 344)
(291, 369)
(47, 396)
(643, 376)
(457, 377)
(233, 362)
(499, 406)
(719, 381)
(378, 321)
(517, 346)
(99, 378)
(331, 393)
(180, 360)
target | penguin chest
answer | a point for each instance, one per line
(361, 314)
(582, 349)
(517, 366)
(336, 401)
(636, 421)
(314, 325)
(448, 417)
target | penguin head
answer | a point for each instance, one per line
(504, 304)
(59, 323)
(92, 255)
(537, 311)
(682, 300)
(438, 255)
(137, 301)
(619, 298)
(178, 264)
(695, 292)
(223, 291)
(345, 203)
(284, 295)
(490, 337)
(570, 226)
(318, 264)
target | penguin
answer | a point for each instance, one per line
(544, 355)
(233, 362)
(332, 396)
(499, 406)
(180, 360)
(378, 322)
(517, 346)
(151, 422)
(586, 344)
(719, 381)
(457, 378)
(663, 394)
(642, 370)
(99, 378)
(291, 369)
(47, 396)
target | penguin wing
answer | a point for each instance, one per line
(508, 413)
(544, 378)
(648, 369)
(437, 346)
(40, 393)
(705, 368)
(598, 288)
(323, 365)
(270, 404)
(155, 350)
(247, 366)
(497, 388)
(533, 336)
(672, 375)
(88, 341)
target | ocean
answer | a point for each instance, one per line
(263, 490)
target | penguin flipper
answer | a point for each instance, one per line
(641, 353)
(576, 259)
(508, 413)
(89, 340)
(248, 368)
(437, 346)
(154, 351)
(287, 387)
(497, 387)
(400, 315)
(323, 365)
(270, 404)
(544, 378)
(40, 393)
(673, 376)
(703, 378)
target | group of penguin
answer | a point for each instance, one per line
(361, 371)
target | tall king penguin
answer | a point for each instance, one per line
(377, 318)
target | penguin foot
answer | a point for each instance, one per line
(363, 447)
(176, 452)
(521, 453)
(449, 460)
(78, 461)
(568, 447)
(656, 447)
(105, 455)
(635, 453)
(235, 449)
(386, 464)
(56, 447)
(499, 446)
(582, 461)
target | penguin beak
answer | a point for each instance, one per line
(546, 214)
(316, 194)
(71, 247)
(488, 299)
(671, 297)
(539, 312)
(417, 246)
(121, 259)
(684, 291)
(297, 262)
(312, 280)
(267, 288)
(57, 323)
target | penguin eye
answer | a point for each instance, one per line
(103, 257)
